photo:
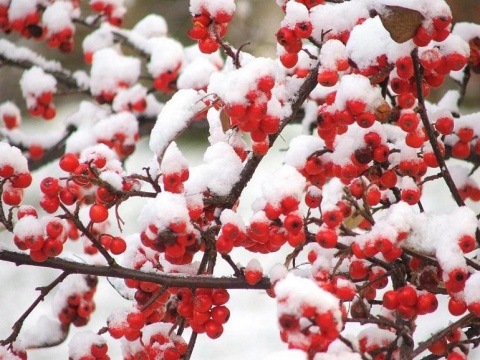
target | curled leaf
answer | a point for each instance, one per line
(402, 23)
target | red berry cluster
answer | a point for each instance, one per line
(173, 182)
(374, 341)
(253, 115)
(436, 29)
(157, 342)
(14, 180)
(231, 235)
(290, 38)
(204, 310)
(62, 40)
(113, 11)
(94, 347)
(165, 81)
(78, 300)
(409, 303)
(208, 28)
(445, 347)
(10, 115)
(126, 324)
(178, 244)
(145, 290)
(305, 325)
(46, 236)
(27, 25)
(43, 106)
(436, 63)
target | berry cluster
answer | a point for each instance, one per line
(409, 303)
(209, 25)
(10, 115)
(94, 347)
(14, 174)
(144, 291)
(45, 236)
(295, 26)
(204, 310)
(38, 88)
(157, 342)
(307, 323)
(75, 300)
(112, 10)
(444, 348)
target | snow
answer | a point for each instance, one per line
(166, 55)
(20, 9)
(81, 343)
(45, 331)
(285, 182)
(13, 157)
(28, 226)
(229, 216)
(218, 174)
(174, 118)
(57, 17)
(254, 265)
(292, 354)
(110, 69)
(98, 39)
(150, 26)
(472, 285)
(339, 18)
(213, 7)
(466, 31)
(295, 13)
(165, 209)
(34, 82)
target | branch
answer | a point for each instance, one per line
(43, 292)
(253, 162)
(168, 280)
(442, 333)
(430, 132)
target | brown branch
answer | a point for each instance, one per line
(252, 163)
(78, 223)
(168, 280)
(442, 333)
(430, 131)
(44, 290)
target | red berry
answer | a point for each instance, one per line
(220, 314)
(293, 224)
(253, 276)
(213, 329)
(467, 243)
(356, 106)
(390, 299)
(326, 238)
(69, 162)
(444, 125)
(98, 213)
(456, 306)
(50, 186)
(407, 295)
(289, 60)
(118, 246)
(99, 350)
(327, 77)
